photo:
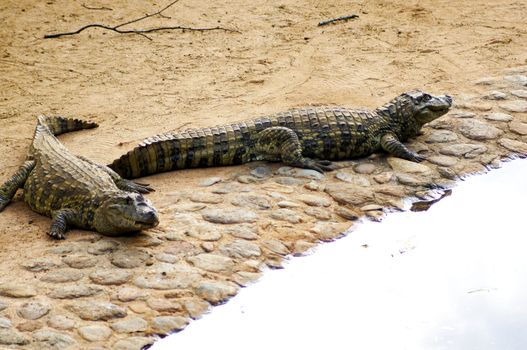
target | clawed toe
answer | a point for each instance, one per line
(57, 235)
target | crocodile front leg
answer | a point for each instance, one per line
(61, 219)
(392, 145)
(9, 188)
(279, 143)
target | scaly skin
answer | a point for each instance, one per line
(307, 138)
(73, 190)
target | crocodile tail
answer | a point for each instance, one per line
(60, 125)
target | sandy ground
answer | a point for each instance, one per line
(135, 87)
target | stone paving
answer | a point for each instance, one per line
(121, 293)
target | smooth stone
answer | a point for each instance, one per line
(261, 172)
(474, 105)
(513, 145)
(240, 248)
(244, 278)
(130, 325)
(132, 343)
(406, 166)
(204, 232)
(103, 247)
(461, 114)
(110, 276)
(163, 305)
(442, 160)
(298, 172)
(447, 173)
(275, 246)
(204, 197)
(314, 201)
(248, 232)
(61, 322)
(29, 326)
(167, 324)
(14, 290)
(351, 195)
(371, 207)
(229, 216)
(347, 213)
(53, 340)
(246, 179)
(467, 150)
(216, 292)
(410, 180)
(168, 258)
(289, 181)
(127, 294)
(441, 136)
(495, 95)
(207, 246)
(168, 276)
(357, 180)
(210, 181)
(95, 332)
(517, 78)
(499, 117)
(485, 81)
(39, 265)
(12, 337)
(191, 207)
(96, 310)
(288, 204)
(383, 178)
(477, 130)
(288, 215)
(301, 247)
(252, 201)
(3, 306)
(74, 291)
(365, 168)
(441, 124)
(314, 186)
(196, 307)
(328, 231)
(228, 188)
(5, 322)
(181, 248)
(33, 310)
(318, 213)
(80, 261)
(62, 275)
(129, 258)
(519, 106)
(519, 93)
(518, 127)
(213, 263)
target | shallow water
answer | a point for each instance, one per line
(452, 277)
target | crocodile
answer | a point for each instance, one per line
(75, 191)
(307, 138)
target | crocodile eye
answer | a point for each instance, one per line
(426, 97)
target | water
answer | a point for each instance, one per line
(453, 277)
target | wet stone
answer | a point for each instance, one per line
(74, 291)
(95, 332)
(210, 181)
(519, 106)
(229, 216)
(14, 290)
(347, 213)
(519, 93)
(351, 195)
(513, 145)
(212, 262)
(216, 292)
(348, 177)
(442, 160)
(62, 275)
(518, 127)
(365, 168)
(314, 201)
(61, 322)
(248, 232)
(441, 136)
(477, 130)
(130, 325)
(240, 248)
(41, 264)
(130, 258)
(383, 177)
(52, 339)
(96, 310)
(252, 201)
(467, 150)
(209, 198)
(163, 305)
(275, 246)
(406, 166)
(110, 276)
(286, 215)
(261, 172)
(5, 322)
(498, 117)
(103, 247)
(79, 261)
(495, 95)
(318, 213)
(166, 324)
(12, 337)
(33, 310)
(132, 343)
(298, 172)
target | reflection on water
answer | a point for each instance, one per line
(452, 277)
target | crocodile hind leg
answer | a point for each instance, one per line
(392, 145)
(279, 143)
(9, 188)
(60, 221)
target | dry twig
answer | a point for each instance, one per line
(102, 8)
(333, 20)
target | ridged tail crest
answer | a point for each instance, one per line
(60, 125)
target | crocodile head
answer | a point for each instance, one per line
(424, 107)
(123, 213)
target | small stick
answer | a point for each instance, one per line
(103, 8)
(343, 18)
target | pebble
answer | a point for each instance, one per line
(328, 231)
(513, 145)
(127, 294)
(80, 261)
(485, 81)
(351, 195)
(442, 160)
(252, 201)
(103, 247)
(442, 124)
(5, 322)
(229, 188)
(39, 265)
(130, 258)
(210, 181)
(163, 282)
(62, 275)
(314, 186)
(298, 172)
(371, 207)
(518, 78)
(518, 127)
(216, 292)
(246, 179)
(132, 343)
(467, 150)
(447, 173)
(33, 310)
(248, 232)
(406, 166)
(131, 325)
(74, 291)
(54, 340)
(96, 310)
(275, 246)
(318, 213)
(441, 136)
(167, 324)
(61, 322)
(163, 305)
(289, 181)
(461, 114)
(347, 213)
(29, 326)
(495, 95)
(204, 197)
(477, 130)
(95, 332)
(411, 180)
(15, 290)
(365, 168)
(204, 231)
(240, 248)
(348, 177)
(383, 178)
(229, 216)
(207, 246)
(12, 337)
(499, 117)
(519, 93)
(213, 263)
(288, 215)
(110, 276)
(300, 247)
(196, 307)
(262, 172)
(244, 278)
(3, 306)
(314, 201)
(519, 106)
(288, 204)
(168, 258)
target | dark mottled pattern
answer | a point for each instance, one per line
(298, 137)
